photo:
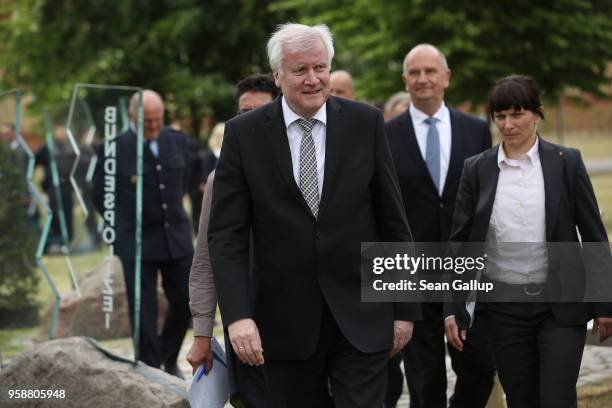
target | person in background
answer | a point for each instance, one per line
(528, 190)
(210, 158)
(429, 143)
(342, 85)
(254, 91)
(195, 186)
(397, 104)
(62, 156)
(166, 232)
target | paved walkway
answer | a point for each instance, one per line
(596, 366)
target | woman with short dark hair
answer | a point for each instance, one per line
(529, 191)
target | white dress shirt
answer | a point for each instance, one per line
(518, 216)
(295, 133)
(444, 130)
(154, 146)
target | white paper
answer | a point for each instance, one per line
(212, 390)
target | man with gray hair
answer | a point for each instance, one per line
(316, 182)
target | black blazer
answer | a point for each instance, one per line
(166, 230)
(569, 203)
(429, 215)
(300, 262)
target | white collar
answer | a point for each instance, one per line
(290, 116)
(418, 116)
(532, 154)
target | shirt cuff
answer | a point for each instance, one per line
(203, 326)
(445, 319)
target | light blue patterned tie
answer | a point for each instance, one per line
(432, 152)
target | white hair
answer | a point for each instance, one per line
(442, 57)
(297, 37)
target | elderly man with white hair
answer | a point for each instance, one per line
(311, 175)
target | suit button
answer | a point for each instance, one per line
(161, 186)
(164, 206)
(441, 205)
(158, 167)
(167, 224)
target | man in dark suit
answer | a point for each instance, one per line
(530, 191)
(429, 143)
(312, 177)
(251, 92)
(166, 231)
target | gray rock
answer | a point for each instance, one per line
(90, 377)
(86, 316)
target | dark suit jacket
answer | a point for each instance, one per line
(166, 231)
(569, 203)
(300, 262)
(429, 215)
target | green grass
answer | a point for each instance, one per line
(58, 269)
(14, 341)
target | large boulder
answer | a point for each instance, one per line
(87, 316)
(90, 377)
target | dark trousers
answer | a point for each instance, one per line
(425, 365)
(538, 361)
(354, 379)
(156, 349)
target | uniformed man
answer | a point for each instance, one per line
(166, 231)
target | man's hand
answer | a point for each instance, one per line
(200, 352)
(245, 340)
(402, 333)
(454, 335)
(604, 325)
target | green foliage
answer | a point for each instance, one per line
(191, 51)
(194, 51)
(18, 276)
(562, 43)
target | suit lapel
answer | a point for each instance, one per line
(276, 132)
(334, 137)
(413, 151)
(488, 175)
(552, 170)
